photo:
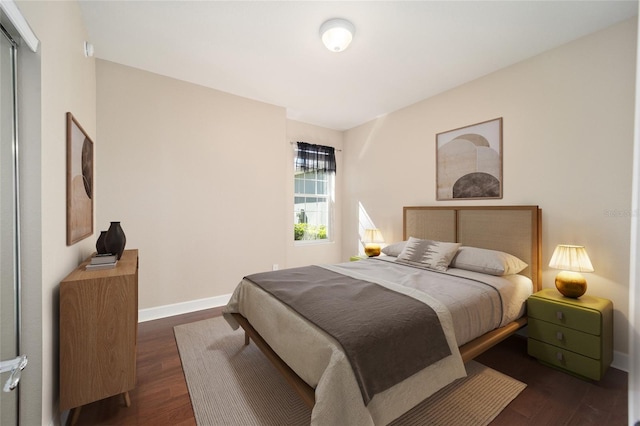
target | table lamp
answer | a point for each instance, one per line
(572, 260)
(372, 239)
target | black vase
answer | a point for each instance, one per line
(115, 240)
(101, 248)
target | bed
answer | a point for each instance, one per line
(319, 368)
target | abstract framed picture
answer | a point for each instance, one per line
(79, 182)
(469, 162)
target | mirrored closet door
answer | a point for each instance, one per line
(9, 237)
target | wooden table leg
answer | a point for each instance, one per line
(127, 399)
(246, 338)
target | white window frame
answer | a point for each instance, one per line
(311, 215)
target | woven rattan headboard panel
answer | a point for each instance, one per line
(513, 229)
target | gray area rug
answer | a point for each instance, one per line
(233, 384)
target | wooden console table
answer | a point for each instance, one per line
(98, 333)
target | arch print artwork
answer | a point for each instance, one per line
(79, 182)
(469, 162)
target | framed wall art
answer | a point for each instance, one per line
(469, 162)
(79, 182)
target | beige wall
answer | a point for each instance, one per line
(202, 182)
(67, 83)
(197, 178)
(305, 253)
(568, 131)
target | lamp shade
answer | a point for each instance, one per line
(372, 236)
(337, 34)
(571, 258)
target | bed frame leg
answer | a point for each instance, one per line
(306, 392)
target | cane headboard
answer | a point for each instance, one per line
(513, 229)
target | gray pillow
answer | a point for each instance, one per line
(434, 255)
(394, 249)
(486, 261)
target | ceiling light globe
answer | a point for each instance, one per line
(337, 34)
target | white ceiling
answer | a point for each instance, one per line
(402, 52)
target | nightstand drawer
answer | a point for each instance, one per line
(587, 320)
(566, 360)
(566, 338)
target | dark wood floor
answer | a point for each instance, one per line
(551, 397)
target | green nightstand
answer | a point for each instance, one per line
(574, 335)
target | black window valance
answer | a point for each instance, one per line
(315, 157)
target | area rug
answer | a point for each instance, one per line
(233, 384)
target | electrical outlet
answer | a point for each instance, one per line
(274, 267)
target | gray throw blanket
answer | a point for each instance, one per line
(387, 336)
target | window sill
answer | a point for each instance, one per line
(311, 242)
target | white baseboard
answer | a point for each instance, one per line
(182, 308)
(620, 361)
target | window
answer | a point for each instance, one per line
(315, 169)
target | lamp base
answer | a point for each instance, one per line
(372, 250)
(571, 284)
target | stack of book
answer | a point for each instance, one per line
(102, 261)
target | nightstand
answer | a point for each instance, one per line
(574, 335)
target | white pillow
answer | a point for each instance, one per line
(486, 261)
(394, 249)
(432, 254)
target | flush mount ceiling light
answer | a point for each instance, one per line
(337, 33)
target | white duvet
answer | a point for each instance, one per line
(319, 360)
(477, 305)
